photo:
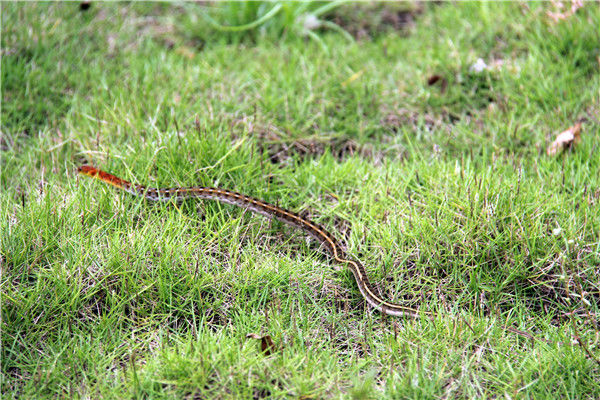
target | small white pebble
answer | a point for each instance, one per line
(479, 66)
(311, 22)
(556, 231)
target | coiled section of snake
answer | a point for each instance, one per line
(269, 211)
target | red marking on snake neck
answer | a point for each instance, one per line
(103, 176)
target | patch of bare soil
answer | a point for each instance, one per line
(364, 20)
(282, 149)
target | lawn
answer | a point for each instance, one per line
(415, 133)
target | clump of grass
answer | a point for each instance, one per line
(238, 22)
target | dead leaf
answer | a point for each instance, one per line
(433, 79)
(266, 343)
(565, 139)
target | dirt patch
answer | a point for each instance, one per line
(283, 150)
(365, 20)
(395, 119)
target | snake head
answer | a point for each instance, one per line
(87, 170)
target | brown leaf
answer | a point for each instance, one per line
(266, 343)
(565, 139)
(433, 79)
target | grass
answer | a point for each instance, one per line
(445, 195)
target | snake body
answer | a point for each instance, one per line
(270, 211)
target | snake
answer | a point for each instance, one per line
(271, 211)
